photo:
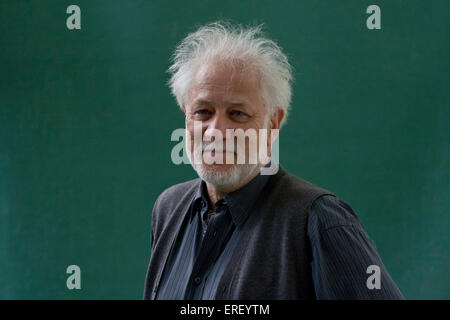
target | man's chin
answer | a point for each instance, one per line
(222, 167)
(223, 174)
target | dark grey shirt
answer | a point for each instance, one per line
(202, 250)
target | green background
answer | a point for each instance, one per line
(86, 118)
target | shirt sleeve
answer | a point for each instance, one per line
(345, 262)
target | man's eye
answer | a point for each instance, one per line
(238, 113)
(202, 112)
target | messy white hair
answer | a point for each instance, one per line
(227, 43)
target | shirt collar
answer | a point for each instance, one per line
(200, 198)
(240, 201)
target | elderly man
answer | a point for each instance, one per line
(234, 233)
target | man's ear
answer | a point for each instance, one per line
(276, 118)
(274, 123)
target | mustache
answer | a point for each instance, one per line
(218, 147)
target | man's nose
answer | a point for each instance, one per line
(219, 122)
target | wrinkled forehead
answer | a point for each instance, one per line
(236, 78)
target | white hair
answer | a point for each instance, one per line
(227, 42)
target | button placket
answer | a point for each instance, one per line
(210, 247)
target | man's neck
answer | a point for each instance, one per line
(216, 193)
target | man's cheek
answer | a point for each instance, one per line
(189, 141)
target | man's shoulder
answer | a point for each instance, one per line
(325, 209)
(330, 214)
(296, 184)
(177, 193)
(179, 189)
(293, 188)
(171, 203)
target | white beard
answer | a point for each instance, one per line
(221, 178)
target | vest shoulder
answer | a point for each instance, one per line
(176, 191)
(294, 194)
(174, 196)
(296, 186)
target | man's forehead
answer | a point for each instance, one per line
(227, 76)
(212, 86)
(208, 100)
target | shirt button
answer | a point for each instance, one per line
(214, 234)
(197, 280)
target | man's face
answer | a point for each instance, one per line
(224, 97)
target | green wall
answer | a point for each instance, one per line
(86, 118)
